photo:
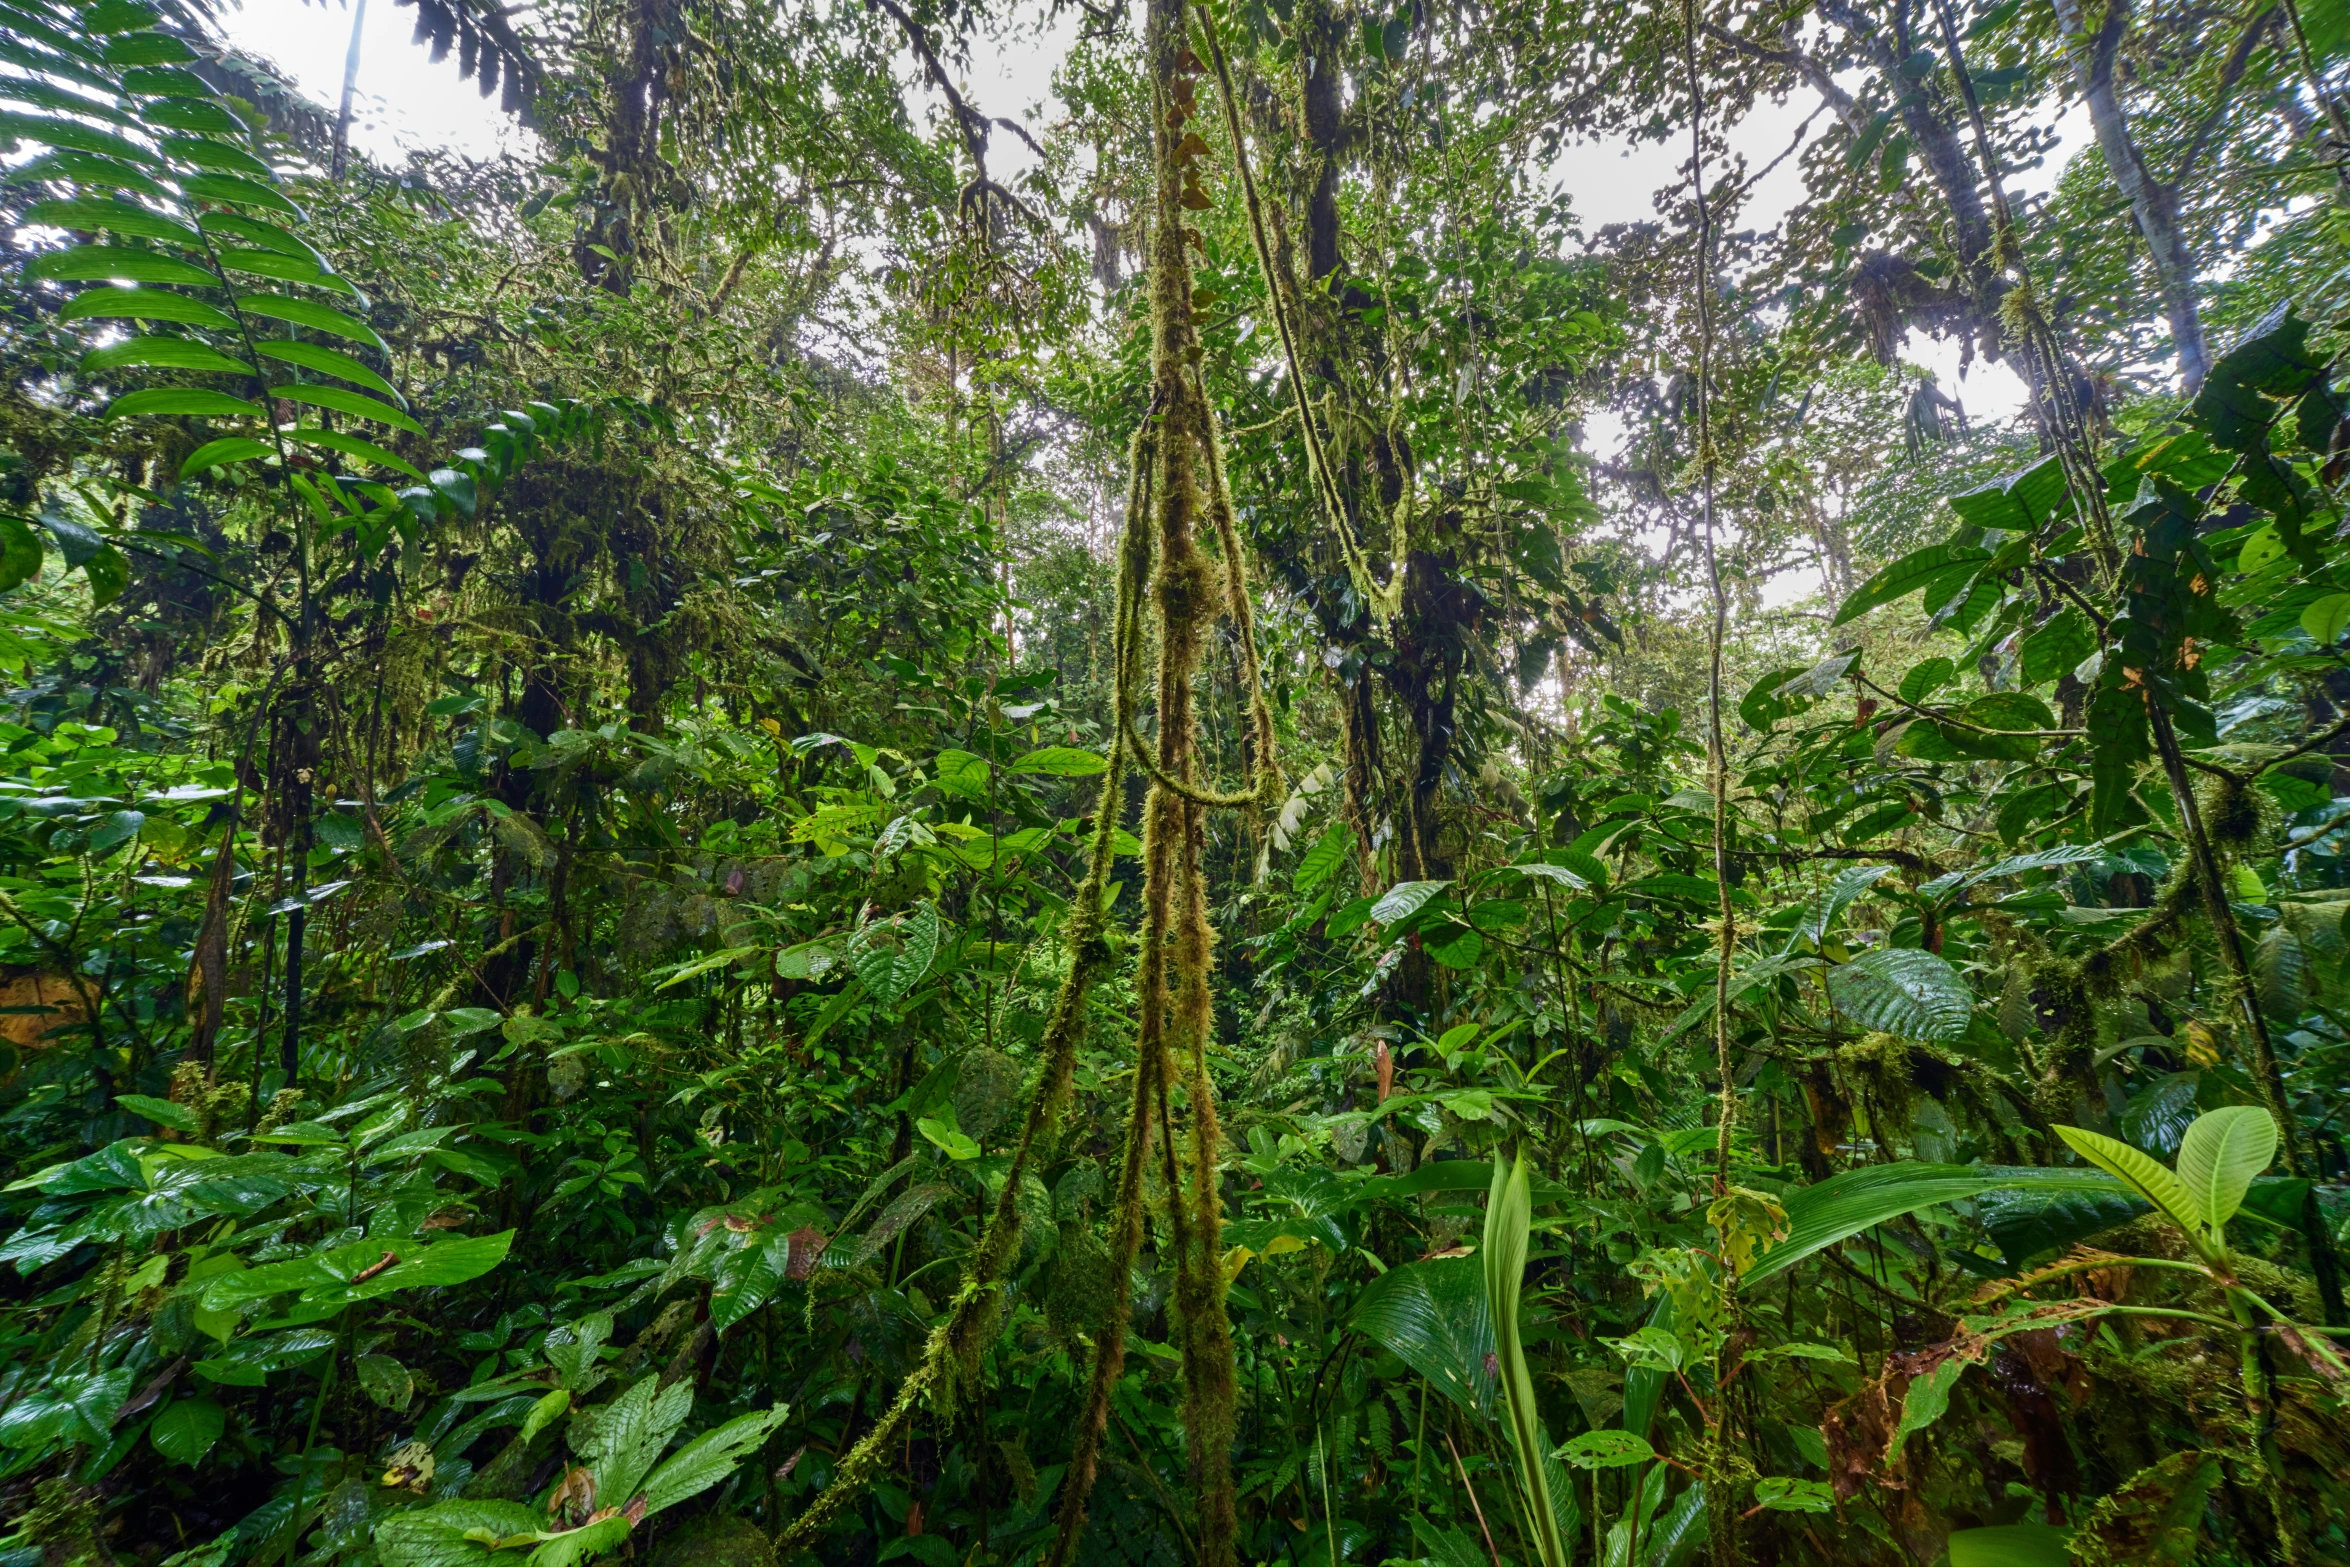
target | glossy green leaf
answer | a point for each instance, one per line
(1904, 991)
(71, 136)
(236, 190)
(111, 263)
(213, 454)
(183, 401)
(115, 216)
(330, 361)
(145, 304)
(343, 400)
(2221, 1153)
(311, 314)
(20, 553)
(1844, 1205)
(188, 1429)
(163, 353)
(1907, 575)
(353, 446)
(1433, 1316)
(2141, 1173)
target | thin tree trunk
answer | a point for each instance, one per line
(350, 85)
(2153, 204)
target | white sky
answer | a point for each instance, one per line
(405, 101)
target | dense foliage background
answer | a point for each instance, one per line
(618, 933)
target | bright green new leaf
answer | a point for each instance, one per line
(2221, 1153)
(2141, 1173)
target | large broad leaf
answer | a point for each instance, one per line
(2220, 1155)
(746, 1279)
(1675, 1539)
(1908, 574)
(458, 1534)
(2141, 1173)
(1835, 898)
(2032, 1222)
(709, 1458)
(1904, 991)
(1404, 899)
(621, 1439)
(1433, 1316)
(2010, 1545)
(1844, 1205)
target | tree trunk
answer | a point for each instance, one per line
(2153, 204)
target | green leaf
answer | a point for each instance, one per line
(20, 553)
(1509, 1209)
(1844, 1205)
(2010, 1545)
(1607, 1448)
(199, 116)
(145, 304)
(458, 489)
(572, 1546)
(1925, 678)
(262, 233)
(161, 1111)
(190, 402)
(112, 215)
(1328, 853)
(2057, 646)
(1903, 991)
(709, 1458)
(187, 1430)
(747, 1279)
(1433, 1316)
(1404, 899)
(311, 314)
(1061, 761)
(1782, 1494)
(385, 1381)
(228, 449)
(2327, 619)
(458, 1534)
(108, 574)
(163, 353)
(1820, 915)
(353, 446)
(330, 361)
(2221, 1153)
(111, 263)
(2141, 1173)
(236, 190)
(72, 136)
(1907, 575)
(2262, 549)
(148, 48)
(277, 264)
(343, 400)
